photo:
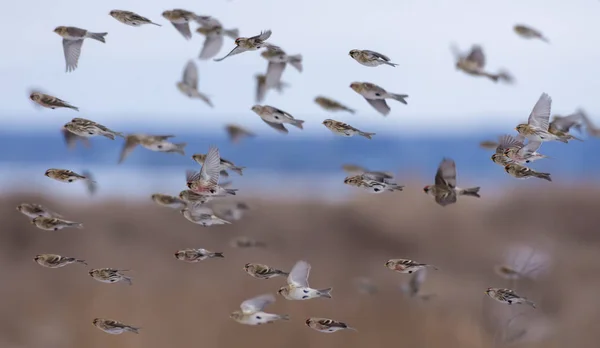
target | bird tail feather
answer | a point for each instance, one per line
(325, 292)
(400, 97)
(97, 36)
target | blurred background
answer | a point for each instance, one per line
(293, 184)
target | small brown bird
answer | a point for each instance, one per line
(260, 271)
(505, 143)
(50, 102)
(157, 143)
(189, 196)
(343, 129)
(276, 118)
(373, 182)
(180, 20)
(54, 224)
(64, 175)
(521, 172)
(376, 96)
(507, 296)
(73, 40)
(473, 64)
(327, 325)
(110, 275)
(34, 210)
(237, 133)
(529, 33)
(196, 255)
(243, 44)
(538, 123)
(203, 216)
(189, 84)
(169, 201)
(444, 190)
(130, 18)
(206, 181)
(331, 105)
(56, 261)
(406, 266)
(87, 128)
(114, 327)
(370, 58)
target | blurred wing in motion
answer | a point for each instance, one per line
(257, 304)
(261, 88)
(71, 139)
(236, 50)
(274, 73)
(378, 55)
(277, 126)
(507, 141)
(299, 275)
(263, 36)
(212, 46)
(184, 29)
(446, 174)
(455, 51)
(72, 49)
(528, 261)
(130, 143)
(380, 105)
(90, 184)
(190, 75)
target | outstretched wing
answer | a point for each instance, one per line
(378, 55)
(211, 169)
(299, 274)
(476, 55)
(190, 75)
(446, 174)
(257, 304)
(540, 115)
(236, 50)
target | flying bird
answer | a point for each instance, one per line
(213, 30)
(181, 20)
(507, 296)
(406, 266)
(114, 327)
(189, 84)
(251, 312)
(537, 125)
(110, 275)
(327, 325)
(130, 18)
(157, 143)
(73, 40)
(473, 64)
(237, 133)
(86, 128)
(56, 261)
(262, 88)
(370, 58)
(331, 105)
(50, 102)
(244, 44)
(297, 287)
(276, 118)
(444, 190)
(529, 33)
(343, 129)
(376, 96)
(278, 61)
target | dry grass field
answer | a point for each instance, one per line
(179, 304)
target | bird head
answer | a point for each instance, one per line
(353, 53)
(113, 13)
(34, 220)
(328, 122)
(282, 290)
(356, 86)
(178, 254)
(199, 157)
(59, 30)
(35, 96)
(426, 188)
(238, 41)
(95, 321)
(36, 258)
(256, 108)
(307, 322)
(20, 207)
(166, 14)
(507, 167)
(490, 291)
(47, 173)
(246, 267)
(522, 127)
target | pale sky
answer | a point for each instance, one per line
(132, 77)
